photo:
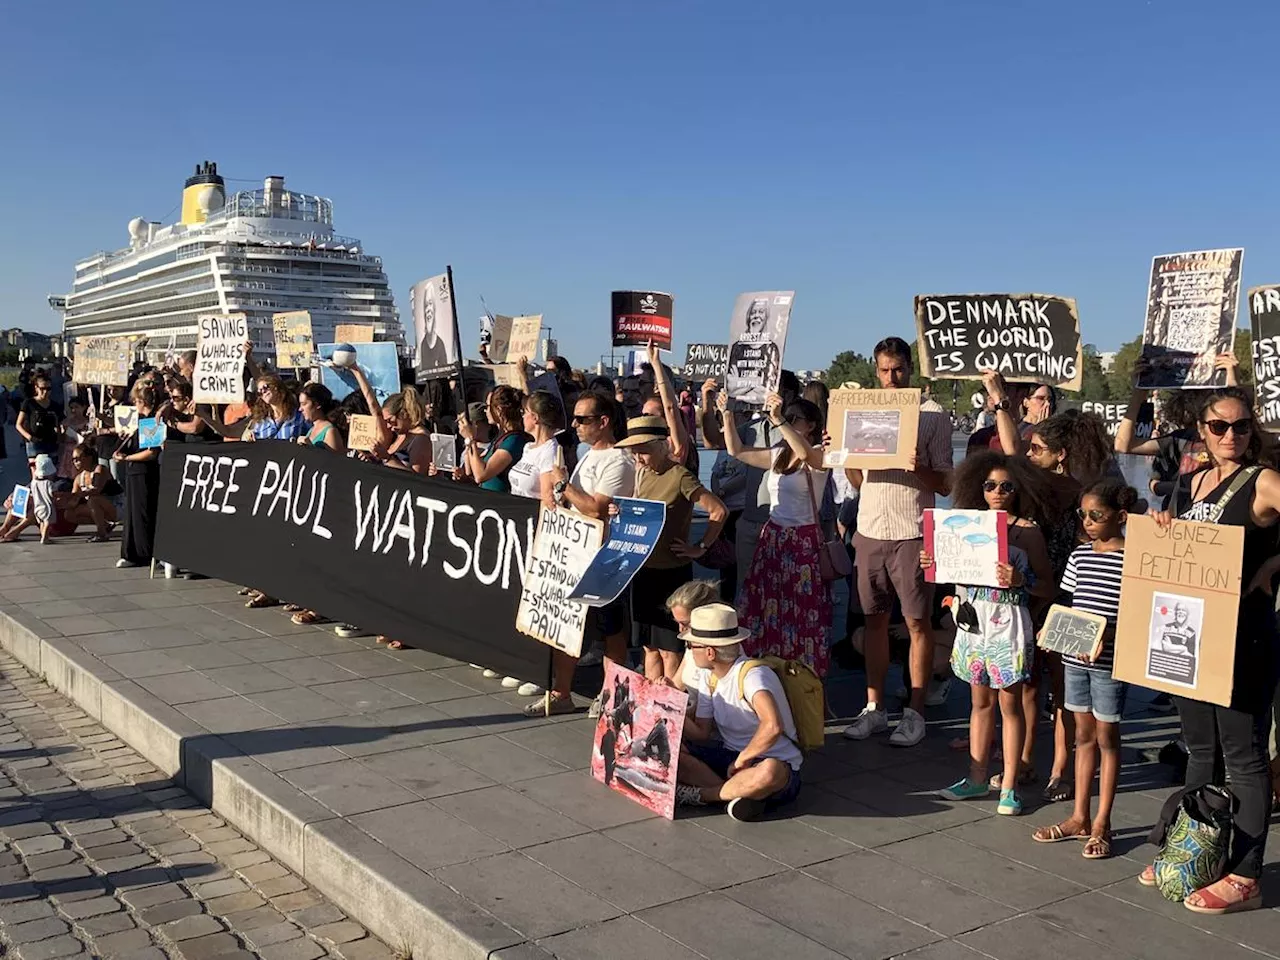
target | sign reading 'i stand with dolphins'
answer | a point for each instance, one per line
(1024, 336)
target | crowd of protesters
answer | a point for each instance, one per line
(796, 561)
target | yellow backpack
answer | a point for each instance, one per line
(805, 696)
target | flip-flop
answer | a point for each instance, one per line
(1057, 790)
(306, 618)
(1056, 834)
(1097, 847)
(293, 608)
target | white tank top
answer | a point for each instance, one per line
(789, 503)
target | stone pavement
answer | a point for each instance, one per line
(410, 790)
(105, 856)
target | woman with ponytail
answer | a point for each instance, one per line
(410, 444)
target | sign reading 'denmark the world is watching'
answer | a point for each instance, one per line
(1024, 336)
(436, 564)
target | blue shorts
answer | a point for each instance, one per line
(719, 758)
(1096, 692)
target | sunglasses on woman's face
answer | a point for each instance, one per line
(1219, 428)
(1004, 486)
(1036, 448)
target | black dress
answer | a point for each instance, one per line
(141, 500)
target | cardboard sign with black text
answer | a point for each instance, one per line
(1264, 318)
(1178, 581)
(523, 340)
(706, 361)
(1076, 633)
(219, 372)
(872, 429)
(1113, 413)
(102, 361)
(1032, 337)
(562, 550)
(1191, 318)
(640, 316)
(362, 431)
(353, 333)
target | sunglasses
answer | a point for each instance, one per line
(1239, 428)
(1097, 516)
(1036, 448)
(577, 419)
(1004, 486)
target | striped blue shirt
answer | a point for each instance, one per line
(1093, 580)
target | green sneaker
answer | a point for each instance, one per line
(965, 789)
(1010, 804)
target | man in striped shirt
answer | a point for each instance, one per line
(888, 542)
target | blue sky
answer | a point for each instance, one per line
(857, 152)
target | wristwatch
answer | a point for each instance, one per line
(1003, 404)
(700, 546)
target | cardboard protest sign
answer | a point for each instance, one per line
(1024, 336)
(151, 433)
(431, 562)
(637, 741)
(219, 372)
(565, 543)
(872, 429)
(546, 382)
(1075, 633)
(379, 362)
(1175, 582)
(757, 336)
(362, 431)
(430, 302)
(640, 316)
(102, 361)
(294, 346)
(966, 545)
(444, 451)
(1191, 318)
(1113, 413)
(21, 501)
(632, 536)
(523, 341)
(499, 341)
(353, 333)
(126, 418)
(1264, 317)
(506, 375)
(706, 361)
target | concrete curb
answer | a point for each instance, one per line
(397, 902)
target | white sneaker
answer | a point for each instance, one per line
(910, 729)
(592, 657)
(938, 692)
(475, 666)
(530, 690)
(872, 719)
(170, 571)
(510, 682)
(489, 674)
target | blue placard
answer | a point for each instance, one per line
(381, 366)
(21, 498)
(150, 433)
(632, 535)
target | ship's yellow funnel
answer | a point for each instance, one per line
(203, 193)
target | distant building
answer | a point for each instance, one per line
(31, 342)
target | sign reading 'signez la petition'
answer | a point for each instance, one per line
(1031, 337)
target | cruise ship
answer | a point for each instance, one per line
(257, 252)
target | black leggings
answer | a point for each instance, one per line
(1242, 738)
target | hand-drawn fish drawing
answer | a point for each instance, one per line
(978, 539)
(954, 523)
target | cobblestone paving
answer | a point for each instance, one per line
(104, 856)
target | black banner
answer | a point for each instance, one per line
(431, 562)
(1025, 336)
(640, 316)
(1264, 316)
(706, 361)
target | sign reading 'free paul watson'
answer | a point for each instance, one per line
(1025, 336)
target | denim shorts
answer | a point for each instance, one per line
(1096, 692)
(719, 757)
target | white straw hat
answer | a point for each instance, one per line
(714, 625)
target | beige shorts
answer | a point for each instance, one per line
(888, 569)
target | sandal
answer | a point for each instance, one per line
(1056, 790)
(1148, 876)
(1209, 902)
(381, 639)
(1057, 833)
(1026, 777)
(1097, 847)
(244, 591)
(550, 705)
(97, 538)
(307, 617)
(259, 600)
(398, 645)
(293, 608)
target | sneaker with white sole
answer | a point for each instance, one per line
(490, 674)
(909, 731)
(939, 690)
(510, 683)
(348, 631)
(528, 689)
(744, 809)
(596, 708)
(592, 657)
(689, 796)
(872, 719)
(965, 789)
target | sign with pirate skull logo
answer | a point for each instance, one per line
(640, 316)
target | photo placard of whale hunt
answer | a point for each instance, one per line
(1032, 337)
(1264, 317)
(1191, 318)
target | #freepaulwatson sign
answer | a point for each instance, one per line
(436, 564)
(706, 361)
(966, 545)
(1264, 316)
(219, 372)
(872, 429)
(1178, 581)
(102, 361)
(562, 550)
(640, 316)
(1191, 318)
(1024, 336)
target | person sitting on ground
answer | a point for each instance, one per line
(41, 509)
(757, 767)
(92, 496)
(75, 428)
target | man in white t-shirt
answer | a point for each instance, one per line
(757, 766)
(603, 474)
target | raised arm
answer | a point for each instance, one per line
(670, 410)
(1126, 433)
(711, 437)
(803, 450)
(1006, 425)
(751, 456)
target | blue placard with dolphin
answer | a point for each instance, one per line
(151, 433)
(632, 536)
